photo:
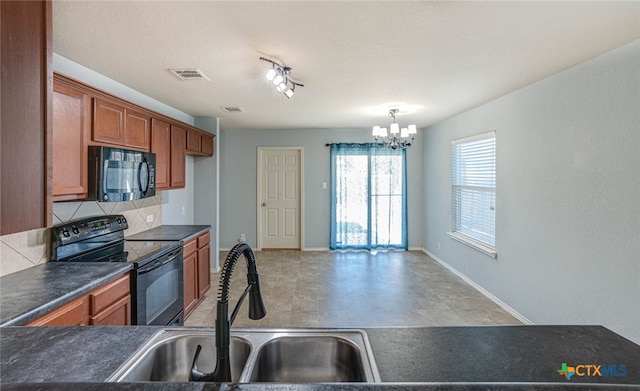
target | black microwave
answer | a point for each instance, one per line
(120, 174)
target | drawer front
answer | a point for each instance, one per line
(70, 314)
(108, 294)
(204, 239)
(189, 247)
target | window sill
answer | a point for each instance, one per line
(475, 244)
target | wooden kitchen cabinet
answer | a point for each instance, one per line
(161, 146)
(178, 164)
(71, 130)
(199, 143)
(109, 304)
(119, 125)
(197, 271)
(25, 124)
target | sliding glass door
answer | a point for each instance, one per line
(368, 197)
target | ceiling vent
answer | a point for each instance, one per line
(189, 74)
(233, 109)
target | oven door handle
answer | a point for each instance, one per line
(156, 264)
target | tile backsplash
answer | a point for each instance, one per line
(26, 249)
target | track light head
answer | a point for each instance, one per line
(271, 73)
(279, 76)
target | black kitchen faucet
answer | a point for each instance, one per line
(257, 310)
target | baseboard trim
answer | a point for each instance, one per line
(480, 289)
(315, 249)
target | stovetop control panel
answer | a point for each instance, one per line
(87, 228)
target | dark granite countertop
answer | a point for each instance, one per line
(170, 233)
(473, 358)
(30, 293)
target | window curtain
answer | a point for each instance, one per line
(368, 197)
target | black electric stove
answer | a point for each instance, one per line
(157, 278)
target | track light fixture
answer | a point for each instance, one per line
(396, 138)
(279, 76)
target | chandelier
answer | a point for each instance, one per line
(279, 76)
(397, 137)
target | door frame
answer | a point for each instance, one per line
(259, 188)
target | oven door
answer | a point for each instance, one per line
(159, 290)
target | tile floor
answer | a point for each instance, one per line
(354, 289)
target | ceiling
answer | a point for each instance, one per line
(357, 59)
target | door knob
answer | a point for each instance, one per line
(264, 204)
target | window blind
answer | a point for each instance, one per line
(473, 187)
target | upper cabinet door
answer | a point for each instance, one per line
(178, 144)
(199, 143)
(194, 141)
(108, 122)
(161, 146)
(207, 145)
(136, 130)
(71, 128)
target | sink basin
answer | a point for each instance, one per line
(308, 359)
(169, 355)
(257, 355)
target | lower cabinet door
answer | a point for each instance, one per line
(117, 314)
(204, 270)
(190, 283)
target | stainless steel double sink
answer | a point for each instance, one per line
(257, 355)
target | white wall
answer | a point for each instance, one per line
(177, 204)
(206, 200)
(568, 195)
(238, 181)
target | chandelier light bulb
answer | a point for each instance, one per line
(271, 73)
(412, 129)
(383, 132)
(376, 131)
(395, 128)
(404, 132)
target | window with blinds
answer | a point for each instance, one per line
(473, 191)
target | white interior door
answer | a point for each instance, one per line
(280, 198)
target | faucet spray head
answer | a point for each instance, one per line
(257, 309)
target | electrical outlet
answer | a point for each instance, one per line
(184, 210)
(149, 218)
(243, 238)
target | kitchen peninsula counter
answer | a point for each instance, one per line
(413, 356)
